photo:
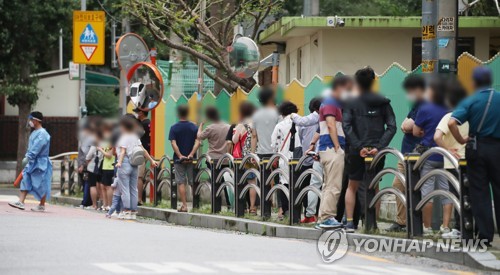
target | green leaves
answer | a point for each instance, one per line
(20, 93)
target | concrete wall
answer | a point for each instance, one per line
(58, 97)
(347, 50)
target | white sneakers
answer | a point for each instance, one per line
(17, 204)
(38, 208)
(453, 234)
(20, 205)
(428, 231)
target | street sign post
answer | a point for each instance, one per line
(88, 37)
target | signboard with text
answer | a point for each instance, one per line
(88, 37)
(446, 24)
(428, 32)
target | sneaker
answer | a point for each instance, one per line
(428, 231)
(127, 215)
(396, 227)
(330, 223)
(444, 230)
(115, 215)
(308, 219)
(453, 234)
(349, 227)
(38, 208)
(133, 215)
(108, 216)
(17, 204)
(121, 216)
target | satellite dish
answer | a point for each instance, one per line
(130, 50)
(244, 57)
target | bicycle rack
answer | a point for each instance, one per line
(242, 186)
(197, 185)
(371, 194)
(298, 192)
(416, 182)
(217, 186)
(161, 177)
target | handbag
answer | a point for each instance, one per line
(471, 146)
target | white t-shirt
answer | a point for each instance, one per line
(127, 141)
(448, 139)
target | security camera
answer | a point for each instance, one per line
(335, 21)
(340, 22)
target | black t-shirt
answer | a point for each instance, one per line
(146, 138)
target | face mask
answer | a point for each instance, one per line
(326, 93)
(31, 124)
(411, 97)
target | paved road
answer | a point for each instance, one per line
(67, 240)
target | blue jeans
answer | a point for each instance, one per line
(116, 205)
(87, 200)
(127, 182)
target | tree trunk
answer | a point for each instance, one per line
(217, 86)
(23, 134)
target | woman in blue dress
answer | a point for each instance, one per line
(37, 175)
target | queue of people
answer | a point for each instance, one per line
(112, 181)
(347, 124)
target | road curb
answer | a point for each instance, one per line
(479, 260)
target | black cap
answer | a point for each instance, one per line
(36, 115)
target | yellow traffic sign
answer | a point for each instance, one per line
(88, 37)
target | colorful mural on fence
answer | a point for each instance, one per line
(388, 84)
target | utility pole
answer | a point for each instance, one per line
(83, 107)
(61, 66)
(447, 36)
(201, 65)
(123, 73)
(429, 45)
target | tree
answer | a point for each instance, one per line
(28, 34)
(208, 39)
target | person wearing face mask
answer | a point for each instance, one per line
(414, 86)
(37, 175)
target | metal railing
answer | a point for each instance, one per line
(228, 173)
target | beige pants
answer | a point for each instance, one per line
(333, 170)
(401, 217)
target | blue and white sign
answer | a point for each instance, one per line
(88, 35)
(443, 42)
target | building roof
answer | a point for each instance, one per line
(288, 27)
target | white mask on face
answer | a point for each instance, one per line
(326, 93)
(31, 124)
(411, 97)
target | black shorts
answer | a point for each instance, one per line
(107, 177)
(357, 167)
(93, 179)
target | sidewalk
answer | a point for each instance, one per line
(485, 261)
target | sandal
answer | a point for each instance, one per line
(182, 209)
(253, 211)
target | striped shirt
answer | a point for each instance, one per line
(330, 107)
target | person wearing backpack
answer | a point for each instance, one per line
(94, 160)
(129, 150)
(242, 140)
(285, 139)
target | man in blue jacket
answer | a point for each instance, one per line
(37, 175)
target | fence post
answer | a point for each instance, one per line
(370, 213)
(155, 185)
(216, 200)
(466, 218)
(295, 210)
(413, 217)
(173, 187)
(265, 205)
(239, 207)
